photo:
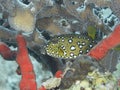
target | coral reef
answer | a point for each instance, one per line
(85, 65)
(61, 35)
(97, 81)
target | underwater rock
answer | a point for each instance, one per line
(96, 80)
(116, 73)
(81, 66)
(110, 61)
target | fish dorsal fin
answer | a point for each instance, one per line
(91, 30)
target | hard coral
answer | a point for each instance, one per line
(24, 20)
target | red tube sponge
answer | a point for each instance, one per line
(28, 77)
(42, 88)
(59, 74)
(6, 52)
(101, 49)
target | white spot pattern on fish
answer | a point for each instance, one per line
(69, 45)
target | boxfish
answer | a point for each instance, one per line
(69, 46)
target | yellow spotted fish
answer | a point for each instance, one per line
(69, 46)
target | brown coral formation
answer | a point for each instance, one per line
(100, 3)
(71, 6)
(23, 20)
(74, 6)
(85, 65)
(53, 25)
(115, 6)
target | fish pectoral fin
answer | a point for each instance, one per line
(60, 51)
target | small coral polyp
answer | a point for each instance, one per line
(24, 20)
